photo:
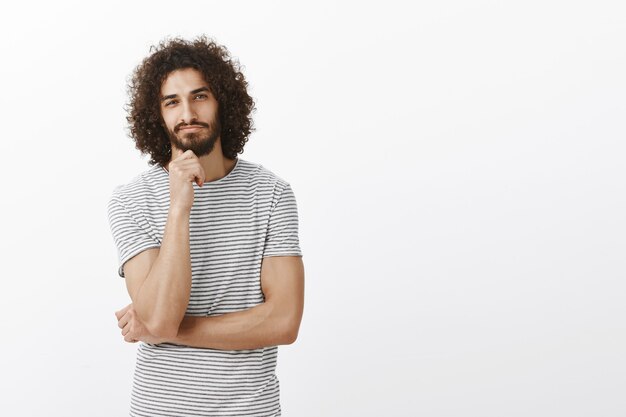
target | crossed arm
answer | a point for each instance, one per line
(276, 321)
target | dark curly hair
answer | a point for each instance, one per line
(220, 71)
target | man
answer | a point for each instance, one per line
(207, 243)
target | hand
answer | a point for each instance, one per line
(184, 170)
(133, 329)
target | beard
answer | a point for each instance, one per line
(200, 142)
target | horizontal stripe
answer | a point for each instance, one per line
(235, 222)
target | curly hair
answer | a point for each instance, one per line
(220, 71)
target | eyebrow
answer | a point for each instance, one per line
(196, 91)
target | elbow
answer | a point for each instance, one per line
(290, 333)
(167, 333)
(290, 338)
(163, 330)
(164, 324)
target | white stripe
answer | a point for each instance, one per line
(234, 222)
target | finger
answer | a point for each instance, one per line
(126, 330)
(185, 164)
(192, 169)
(123, 321)
(198, 175)
(120, 313)
(188, 154)
(130, 334)
(194, 173)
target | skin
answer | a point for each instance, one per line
(187, 106)
(159, 279)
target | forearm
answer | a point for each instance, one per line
(260, 326)
(162, 299)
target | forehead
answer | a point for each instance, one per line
(182, 80)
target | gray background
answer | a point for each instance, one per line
(459, 172)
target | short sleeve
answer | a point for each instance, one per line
(282, 231)
(129, 236)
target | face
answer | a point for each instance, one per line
(189, 111)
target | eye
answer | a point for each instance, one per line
(201, 96)
(170, 102)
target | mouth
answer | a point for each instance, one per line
(190, 128)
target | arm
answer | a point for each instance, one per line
(274, 322)
(159, 279)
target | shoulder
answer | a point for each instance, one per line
(137, 189)
(263, 176)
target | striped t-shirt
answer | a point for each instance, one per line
(234, 223)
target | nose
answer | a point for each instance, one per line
(188, 114)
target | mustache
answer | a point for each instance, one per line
(180, 125)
